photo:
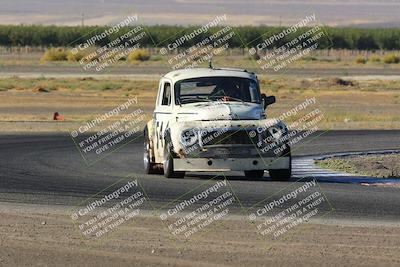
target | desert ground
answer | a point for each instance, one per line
(28, 104)
(45, 236)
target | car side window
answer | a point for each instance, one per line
(166, 97)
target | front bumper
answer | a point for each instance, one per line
(231, 164)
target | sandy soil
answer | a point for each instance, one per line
(50, 239)
(383, 166)
(24, 110)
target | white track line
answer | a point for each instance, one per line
(305, 166)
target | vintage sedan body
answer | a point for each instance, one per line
(208, 120)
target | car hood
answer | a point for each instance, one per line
(220, 111)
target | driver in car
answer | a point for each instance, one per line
(228, 92)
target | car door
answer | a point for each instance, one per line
(163, 112)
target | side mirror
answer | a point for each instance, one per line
(267, 100)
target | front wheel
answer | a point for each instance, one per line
(282, 174)
(254, 175)
(169, 167)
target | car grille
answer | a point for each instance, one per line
(238, 137)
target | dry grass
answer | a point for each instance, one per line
(345, 104)
(374, 58)
(333, 59)
(55, 54)
(382, 166)
(354, 105)
(139, 55)
(361, 60)
(391, 59)
(72, 84)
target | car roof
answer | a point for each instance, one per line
(183, 74)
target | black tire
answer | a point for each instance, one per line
(282, 174)
(149, 167)
(254, 175)
(169, 167)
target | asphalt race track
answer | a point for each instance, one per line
(48, 169)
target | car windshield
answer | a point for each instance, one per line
(216, 89)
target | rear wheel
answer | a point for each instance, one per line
(169, 167)
(149, 167)
(254, 175)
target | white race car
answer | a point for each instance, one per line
(208, 120)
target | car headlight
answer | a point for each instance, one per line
(189, 137)
(278, 130)
(283, 127)
(275, 132)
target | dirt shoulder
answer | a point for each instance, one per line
(50, 239)
(28, 104)
(382, 166)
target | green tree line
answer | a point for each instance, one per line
(339, 38)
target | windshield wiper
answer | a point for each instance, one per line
(194, 99)
(229, 97)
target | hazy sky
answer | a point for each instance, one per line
(331, 12)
